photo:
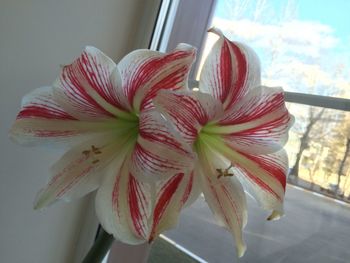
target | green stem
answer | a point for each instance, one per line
(100, 248)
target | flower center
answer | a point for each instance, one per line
(214, 153)
(124, 133)
(128, 128)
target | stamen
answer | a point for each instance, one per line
(95, 150)
(221, 173)
(225, 172)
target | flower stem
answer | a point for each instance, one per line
(100, 248)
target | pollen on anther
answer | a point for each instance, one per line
(95, 149)
(224, 172)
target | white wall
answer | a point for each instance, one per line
(36, 36)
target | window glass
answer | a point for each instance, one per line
(318, 149)
(315, 229)
(303, 45)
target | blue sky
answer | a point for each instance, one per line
(332, 12)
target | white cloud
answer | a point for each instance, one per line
(306, 38)
(299, 76)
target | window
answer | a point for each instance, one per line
(303, 46)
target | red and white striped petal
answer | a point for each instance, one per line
(172, 195)
(188, 111)
(43, 120)
(259, 124)
(225, 195)
(145, 72)
(196, 188)
(230, 70)
(266, 173)
(53, 132)
(265, 178)
(41, 103)
(119, 93)
(226, 199)
(79, 171)
(123, 205)
(90, 87)
(159, 151)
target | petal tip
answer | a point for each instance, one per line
(186, 47)
(216, 31)
(36, 206)
(39, 204)
(241, 249)
(91, 49)
(42, 200)
(151, 239)
(275, 215)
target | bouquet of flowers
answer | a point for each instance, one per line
(150, 146)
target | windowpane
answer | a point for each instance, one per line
(319, 149)
(315, 229)
(303, 45)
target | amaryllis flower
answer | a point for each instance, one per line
(119, 143)
(238, 128)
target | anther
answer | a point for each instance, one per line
(95, 150)
(225, 172)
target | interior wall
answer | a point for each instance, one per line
(36, 36)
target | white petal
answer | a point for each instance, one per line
(43, 120)
(33, 131)
(159, 151)
(224, 195)
(258, 124)
(265, 173)
(227, 201)
(86, 88)
(267, 182)
(230, 70)
(41, 103)
(145, 72)
(80, 170)
(123, 204)
(188, 111)
(172, 195)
